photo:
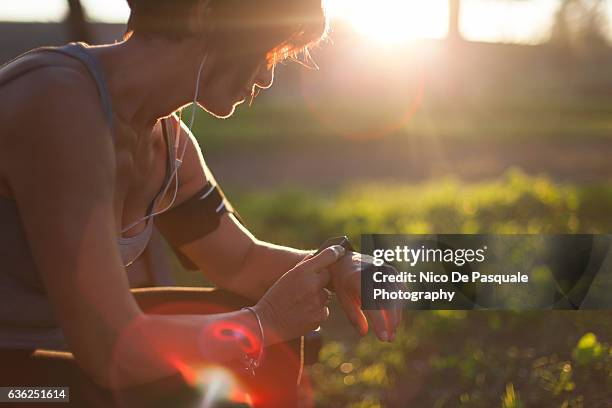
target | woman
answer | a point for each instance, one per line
(91, 156)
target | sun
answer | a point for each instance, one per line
(393, 21)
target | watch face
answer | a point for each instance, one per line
(342, 241)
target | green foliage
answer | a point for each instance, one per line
(587, 350)
(514, 204)
(511, 399)
(449, 359)
(452, 358)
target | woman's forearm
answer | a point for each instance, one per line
(155, 346)
(262, 266)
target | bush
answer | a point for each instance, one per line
(449, 359)
(514, 204)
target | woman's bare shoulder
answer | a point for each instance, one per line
(49, 113)
(29, 82)
(49, 98)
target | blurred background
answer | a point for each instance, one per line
(437, 116)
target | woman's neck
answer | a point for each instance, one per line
(148, 79)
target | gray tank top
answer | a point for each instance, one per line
(26, 318)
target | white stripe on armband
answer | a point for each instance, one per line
(209, 192)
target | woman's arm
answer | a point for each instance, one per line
(235, 260)
(229, 255)
(63, 174)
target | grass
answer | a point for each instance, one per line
(515, 203)
(450, 359)
(473, 359)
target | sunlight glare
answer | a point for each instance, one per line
(525, 22)
(393, 21)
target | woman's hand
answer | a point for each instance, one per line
(346, 282)
(297, 302)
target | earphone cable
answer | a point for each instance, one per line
(178, 160)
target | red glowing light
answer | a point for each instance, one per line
(187, 372)
(229, 331)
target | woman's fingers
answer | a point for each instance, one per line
(392, 312)
(320, 311)
(379, 324)
(315, 268)
(310, 278)
(326, 258)
(325, 296)
(353, 311)
(307, 257)
(391, 320)
(324, 314)
(398, 307)
(320, 279)
(392, 315)
(296, 303)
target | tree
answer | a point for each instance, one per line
(454, 19)
(76, 21)
(581, 26)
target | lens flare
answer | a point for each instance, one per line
(232, 332)
(220, 385)
(214, 383)
(358, 105)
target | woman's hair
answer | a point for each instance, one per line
(277, 29)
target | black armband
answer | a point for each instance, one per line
(195, 218)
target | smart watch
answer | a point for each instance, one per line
(342, 241)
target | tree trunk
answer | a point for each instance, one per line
(454, 16)
(77, 25)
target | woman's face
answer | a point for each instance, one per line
(231, 86)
